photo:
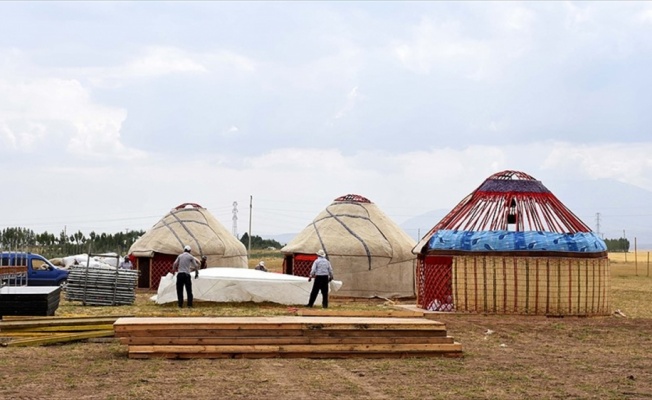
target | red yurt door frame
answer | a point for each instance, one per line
(300, 265)
(435, 283)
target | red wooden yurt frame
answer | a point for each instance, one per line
(521, 282)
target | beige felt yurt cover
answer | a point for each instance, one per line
(370, 254)
(191, 224)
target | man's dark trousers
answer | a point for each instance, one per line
(183, 280)
(321, 284)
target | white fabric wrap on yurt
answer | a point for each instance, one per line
(242, 285)
(193, 226)
(370, 254)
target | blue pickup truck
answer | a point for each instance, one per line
(39, 271)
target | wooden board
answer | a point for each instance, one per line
(310, 355)
(354, 313)
(64, 328)
(329, 348)
(280, 340)
(163, 332)
(266, 323)
(49, 322)
(58, 338)
(58, 318)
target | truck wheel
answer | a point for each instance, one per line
(63, 284)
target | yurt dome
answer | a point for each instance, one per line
(512, 247)
(187, 224)
(370, 254)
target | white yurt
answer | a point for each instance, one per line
(370, 254)
(187, 224)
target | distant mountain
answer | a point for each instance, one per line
(418, 226)
(623, 210)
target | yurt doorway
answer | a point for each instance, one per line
(144, 275)
(435, 283)
(298, 264)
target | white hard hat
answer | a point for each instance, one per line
(186, 248)
(262, 263)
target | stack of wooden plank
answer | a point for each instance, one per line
(36, 331)
(29, 300)
(287, 337)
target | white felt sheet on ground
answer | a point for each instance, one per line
(241, 285)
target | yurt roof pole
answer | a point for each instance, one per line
(182, 223)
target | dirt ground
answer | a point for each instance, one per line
(536, 357)
(524, 357)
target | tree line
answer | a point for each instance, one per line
(50, 245)
(617, 245)
(258, 243)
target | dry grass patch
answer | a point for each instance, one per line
(630, 293)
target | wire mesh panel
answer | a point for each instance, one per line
(302, 264)
(161, 265)
(435, 283)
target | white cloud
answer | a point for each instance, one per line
(519, 19)
(579, 17)
(225, 59)
(56, 112)
(159, 61)
(16, 139)
(351, 100)
(436, 45)
(457, 48)
(231, 131)
(646, 16)
(629, 163)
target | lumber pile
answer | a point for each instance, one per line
(38, 331)
(100, 286)
(29, 300)
(286, 337)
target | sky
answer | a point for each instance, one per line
(113, 113)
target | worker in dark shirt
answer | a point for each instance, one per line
(322, 272)
(184, 263)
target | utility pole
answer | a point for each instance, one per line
(597, 224)
(251, 207)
